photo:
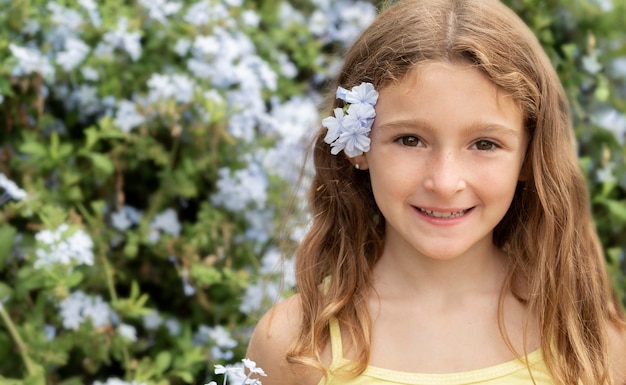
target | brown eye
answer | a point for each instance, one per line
(410, 141)
(485, 145)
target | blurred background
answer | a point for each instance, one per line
(149, 158)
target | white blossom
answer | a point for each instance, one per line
(92, 9)
(250, 18)
(182, 46)
(242, 188)
(127, 331)
(57, 247)
(30, 60)
(79, 307)
(152, 320)
(223, 343)
(64, 17)
(177, 86)
(117, 381)
(75, 52)
(160, 10)
(167, 221)
(89, 73)
(120, 38)
(173, 327)
(11, 188)
(127, 117)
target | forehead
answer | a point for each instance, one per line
(447, 94)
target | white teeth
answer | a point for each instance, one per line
(441, 214)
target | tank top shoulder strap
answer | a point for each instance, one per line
(336, 345)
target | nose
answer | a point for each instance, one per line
(445, 175)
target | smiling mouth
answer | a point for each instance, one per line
(444, 214)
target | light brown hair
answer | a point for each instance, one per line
(557, 264)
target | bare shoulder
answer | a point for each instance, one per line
(617, 338)
(272, 339)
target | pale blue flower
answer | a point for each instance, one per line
(335, 125)
(11, 189)
(50, 332)
(182, 46)
(362, 112)
(353, 141)
(177, 86)
(75, 52)
(160, 10)
(31, 27)
(223, 343)
(65, 17)
(252, 367)
(237, 373)
(167, 221)
(79, 307)
(92, 9)
(152, 320)
(612, 120)
(127, 117)
(250, 18)
(30, 60)
(90, 73)
(241, 189)
(57, 247)
(234, 3)
(363, 93)
(607, 173)
(127, 331)
(173, 327)
(117, 381)
(204, 12)
(130, 42)
(349, 131)
(206, 45)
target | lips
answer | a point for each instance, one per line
(444, 214)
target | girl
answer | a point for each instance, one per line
(452, 241)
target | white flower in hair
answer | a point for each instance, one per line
(349, 129)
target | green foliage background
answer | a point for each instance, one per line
(79, 167)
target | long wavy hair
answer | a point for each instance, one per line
(548, 231)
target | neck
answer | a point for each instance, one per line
(410, 274)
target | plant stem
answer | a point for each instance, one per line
(21, 346)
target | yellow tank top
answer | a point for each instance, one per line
(514, 372)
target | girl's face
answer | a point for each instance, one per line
(447, 148)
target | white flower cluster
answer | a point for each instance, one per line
(237, 373)
(262, 292)
(222, 342)
(153, 321)
(79, 307)
(349, 129)
(11, 190)
(63, 246)
(117, 381)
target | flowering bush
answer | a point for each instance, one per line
(149, 149)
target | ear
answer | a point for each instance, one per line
(359, 162)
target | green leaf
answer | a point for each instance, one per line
(185, 376)
(35, 149)
(101, 162)
(7, 236)
(163, 361)
(36, 378)
(5, 291)
(616, 208)
(74, 278)
(207, 275)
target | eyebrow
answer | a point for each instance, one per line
(478, 126)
